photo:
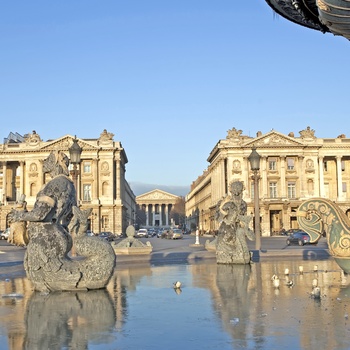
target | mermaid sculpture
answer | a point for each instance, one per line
(231, 212)
(46, 262)
(319, 216)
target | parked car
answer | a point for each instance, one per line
(5, 234)
(292, 230)
(177, 234)
(142, 233)
(108, 236)
(168, 233)
(159, 233)
(299, 237)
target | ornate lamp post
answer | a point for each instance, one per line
(254, 160)
(75, 153)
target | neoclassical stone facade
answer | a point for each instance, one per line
(156, 206)
(101, 182)
(292, 169)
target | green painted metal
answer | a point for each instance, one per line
(319, 216)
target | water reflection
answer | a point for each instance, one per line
(220, 306)
(68, 320)
(234, 300)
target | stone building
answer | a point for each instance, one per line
(292, 169)
(101, 182)
(154, 208)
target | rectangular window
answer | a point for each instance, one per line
(290, 163)
(87, 167)
(272, 163)
(273, 189)
(343, 165)
(344, 186)
(87, 192)
(291, 190)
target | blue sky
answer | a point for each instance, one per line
(168, 78)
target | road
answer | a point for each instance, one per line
(166, 250)
(267, 243)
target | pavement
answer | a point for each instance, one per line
(182, 251)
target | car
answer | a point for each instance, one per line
(5, 234)
(90, 233)
(299, 237)
(142, 233)
(108, 236)
(292, 230)
(168, 234)
(177, 234)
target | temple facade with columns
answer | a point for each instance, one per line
(154, 208)
(292, 169)
(100, 177)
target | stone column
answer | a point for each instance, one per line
(118, 176)
(160, 214)
(263, 174)
(283, 177)
(41, 174)
(147, 214)
(339, 178)
(245, 176)
(301, 176)
(166, 214)
(320, 164)
(153, 214)
(222, 177)
(4, 183)
(95, 190)
(21, 181)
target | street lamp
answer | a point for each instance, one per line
(75, 153)
(254, 160)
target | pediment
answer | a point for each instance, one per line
(63, 143)
(156, 194)
(274, 139)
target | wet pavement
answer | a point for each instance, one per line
(217, 307)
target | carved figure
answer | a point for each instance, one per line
(46, 261)
(130, 245)
(319, 216)
(18, 230)
(231, 245)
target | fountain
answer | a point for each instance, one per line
(55, 224)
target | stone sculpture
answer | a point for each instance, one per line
(132, 246)
(18, 230)
(321, 216)
(231, 245)
(46, 262)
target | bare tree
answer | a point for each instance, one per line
(177, 212)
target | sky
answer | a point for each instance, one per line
(167, 78)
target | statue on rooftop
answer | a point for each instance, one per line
(52, 222)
